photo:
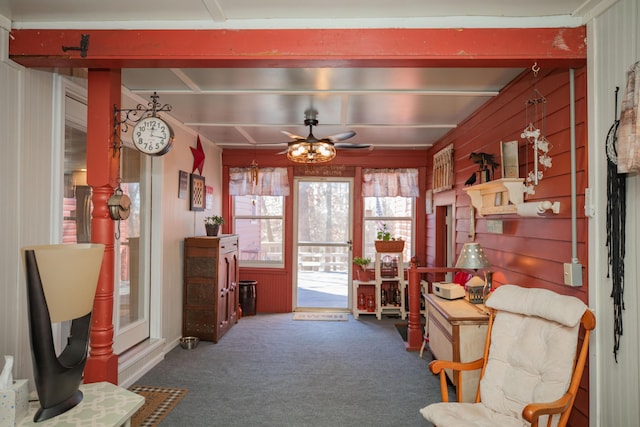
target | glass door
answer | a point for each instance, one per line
(131, 248)
(322, 243)
(131, 296)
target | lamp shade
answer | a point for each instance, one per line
(69, 275)
(472, 257)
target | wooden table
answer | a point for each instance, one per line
(103, 405)
(457, 331)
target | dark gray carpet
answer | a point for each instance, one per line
(272, 371)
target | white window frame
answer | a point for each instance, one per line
(411, 218)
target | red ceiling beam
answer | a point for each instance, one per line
(479, 47)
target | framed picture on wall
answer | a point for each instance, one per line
(183, 184)
(197, 200)
(209, 196)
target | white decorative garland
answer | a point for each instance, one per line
(541, 147)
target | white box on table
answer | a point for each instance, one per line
(14, 403)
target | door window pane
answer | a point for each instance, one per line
(130, 289)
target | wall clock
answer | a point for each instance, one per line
(153, 136)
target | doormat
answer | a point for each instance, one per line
(340, 317)
(159, 401)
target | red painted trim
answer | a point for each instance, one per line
(396, 47)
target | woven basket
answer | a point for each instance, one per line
(389, 245)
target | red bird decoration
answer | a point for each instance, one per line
(198, 157)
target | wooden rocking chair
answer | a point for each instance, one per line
(529, 373)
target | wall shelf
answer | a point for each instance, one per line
(495, 197)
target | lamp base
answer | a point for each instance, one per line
(60, 408)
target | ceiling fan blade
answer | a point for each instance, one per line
(293, 135)
(341, 136)
(343, 145)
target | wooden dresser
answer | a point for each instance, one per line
(457, 331)
(210, 295)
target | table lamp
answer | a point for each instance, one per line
(472, 257)
(61, 286)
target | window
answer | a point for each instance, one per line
(260, 222)
(397, 213)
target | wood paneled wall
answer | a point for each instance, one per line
(530, 251)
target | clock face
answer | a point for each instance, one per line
(152, 135)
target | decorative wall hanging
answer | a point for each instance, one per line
(629, 128)
(198, 157)
(119, 207)
(616, 230)
(533, 133)
(428, 202)
(487, 165)
(197, 193)
(443, 169)
(253, 170)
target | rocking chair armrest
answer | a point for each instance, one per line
(533, 411)
(438, 365)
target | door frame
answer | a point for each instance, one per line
(294, 241)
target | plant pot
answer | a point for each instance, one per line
(212, 230)
(389, 245)
(363, 275)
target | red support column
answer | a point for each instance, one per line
(414, 330)
(102, 172)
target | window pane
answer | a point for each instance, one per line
(323, 215)
(260, 239)
(259, 220)
(398, 228)
(397, 214)
(258, 206)
(388, 207)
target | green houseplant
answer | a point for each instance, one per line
(386, 242)
(361, 271)
(212, 224)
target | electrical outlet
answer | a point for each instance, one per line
(573, 274)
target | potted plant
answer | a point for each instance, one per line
(361, 268)
(386, 242)
(212, 224)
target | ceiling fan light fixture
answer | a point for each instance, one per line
(311, 152)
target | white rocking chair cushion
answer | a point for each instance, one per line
(455, 414)
(530, 360)
(563, 309)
